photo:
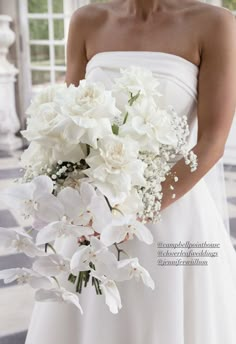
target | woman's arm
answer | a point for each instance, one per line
(216, 103)
(76, 48)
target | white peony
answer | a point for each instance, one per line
(89, 110)
(115, 167)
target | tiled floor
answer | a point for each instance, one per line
(16, 302)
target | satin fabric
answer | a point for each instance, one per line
(190, 304)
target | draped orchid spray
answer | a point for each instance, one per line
(93, 175)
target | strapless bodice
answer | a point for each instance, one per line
(178, 77)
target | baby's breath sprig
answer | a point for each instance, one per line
(63, 170)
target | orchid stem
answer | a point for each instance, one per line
(119, 251)
(55, 279)
(51, 247)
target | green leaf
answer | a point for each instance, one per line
(115, 129)
(126, 116)
(133, 98)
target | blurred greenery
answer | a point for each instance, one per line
(39, 27)
(39, 30)
(230, 4)
(36, 6)
(40, 77)
(41, 6)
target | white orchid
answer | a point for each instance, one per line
(115, 167)
(33, 199)
(52, 265)
(136, 79)
(96, 253)
(20, 241)
(130, 268)
(96, 206)
(110, 291)
(59, 229)
(77, 210)
(88, 109)
(67, 221)
(23, 276)
(132, 204)
(58, 295)
(123, 226)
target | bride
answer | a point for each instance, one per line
(191, 47)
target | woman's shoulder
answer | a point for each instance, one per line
(209, 22)
(96, 12)
(208, 14)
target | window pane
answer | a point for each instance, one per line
(37, 6)
(59, 55)
(230, 4)
(40, 77)
(40, 55)
(58, 28)
(60, 76)
(38, 28)
(57, 6)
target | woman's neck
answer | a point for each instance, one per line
(145, 8)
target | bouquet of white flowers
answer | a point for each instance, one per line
(93, 171)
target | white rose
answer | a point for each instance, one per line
(135, 79)
(44, 119)
(37, 157)
(48, 95)
(89, 110)
(47, 124)
(149, 125)
(115, 167)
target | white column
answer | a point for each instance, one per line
(9, 121)
(19, 53)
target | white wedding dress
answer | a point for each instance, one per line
(190, 304)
